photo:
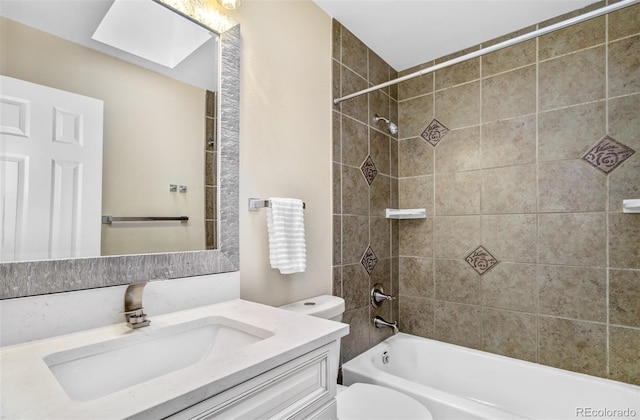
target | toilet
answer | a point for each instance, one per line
(359, 401)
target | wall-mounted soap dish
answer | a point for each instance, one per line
(406, 213)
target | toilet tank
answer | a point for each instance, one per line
(324, 306)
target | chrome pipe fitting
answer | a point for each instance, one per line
(379, 322)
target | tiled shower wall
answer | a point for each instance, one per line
(365, 183)
(522, 158)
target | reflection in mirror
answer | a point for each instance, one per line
(89, 130)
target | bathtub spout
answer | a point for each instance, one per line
(379, 322)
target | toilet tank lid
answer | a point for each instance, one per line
(324, 306)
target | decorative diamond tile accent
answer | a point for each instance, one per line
(608, 154)
(481, 260)
(369, 260)
(369, 170)
(434, 132)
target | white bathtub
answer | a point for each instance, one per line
(455, 382)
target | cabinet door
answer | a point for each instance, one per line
(295, 390)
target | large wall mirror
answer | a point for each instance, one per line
(156, 197)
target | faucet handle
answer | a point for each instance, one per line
(378, 296)
(136, 318)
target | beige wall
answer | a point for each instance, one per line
(147, 136)
(285, 140)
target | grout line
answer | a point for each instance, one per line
(606, 220)
(537, 165)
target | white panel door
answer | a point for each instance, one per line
(50, 172)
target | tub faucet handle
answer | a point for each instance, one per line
(379, 322)
(378, 296)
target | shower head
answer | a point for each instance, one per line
(392, 128)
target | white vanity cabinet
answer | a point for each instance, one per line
(258, 362)
(303, 388)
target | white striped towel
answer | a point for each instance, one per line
(285, 224)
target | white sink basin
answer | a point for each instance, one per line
(96, 370)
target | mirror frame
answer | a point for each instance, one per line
(21, 279)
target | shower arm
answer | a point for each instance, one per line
(539, 32)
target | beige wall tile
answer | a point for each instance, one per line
(355, 142)
(559, 86)
(354, 53)
(416, 238)
(379, 145)
(379, 104)
(575, 37)
(416, 192)
(624, 120)
(381, 274)
(567, 133)
(417, 86)
(357, 107)
(336, 137)
(456, 281)
(572, 239)
(624, 66)
(574, 345)
(571, 186)
(573, 292)
(624, 182)
(624, 357)
(624, 297)
(380, 195)
(624, 246)
(457, 323)
(511, 286)
(509, 190)
(355, 285)
(459, 150)
(457, 74)
(355, 238)
(414, 116)
(509, 94)
(415, 157)
(357, 341)
(624, 22)
(336, 175)
(416, 316)
(416, 277)
(456, 236)
(509, 142)
(355, 191)
(458, 106)
(511, 237)
(510, 334)
(379, 70)
(381, 237)
(458, 193)
(336, 82)
(337, 240)
(336, 39)
(509, 58)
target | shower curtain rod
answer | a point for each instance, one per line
(496, 47)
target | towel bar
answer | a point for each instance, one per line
(257, 203)
(107, 220)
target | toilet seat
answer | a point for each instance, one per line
(373, 402)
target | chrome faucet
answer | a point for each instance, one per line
(133, 310)
(379, 322)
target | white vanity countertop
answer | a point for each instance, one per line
(30, 391)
